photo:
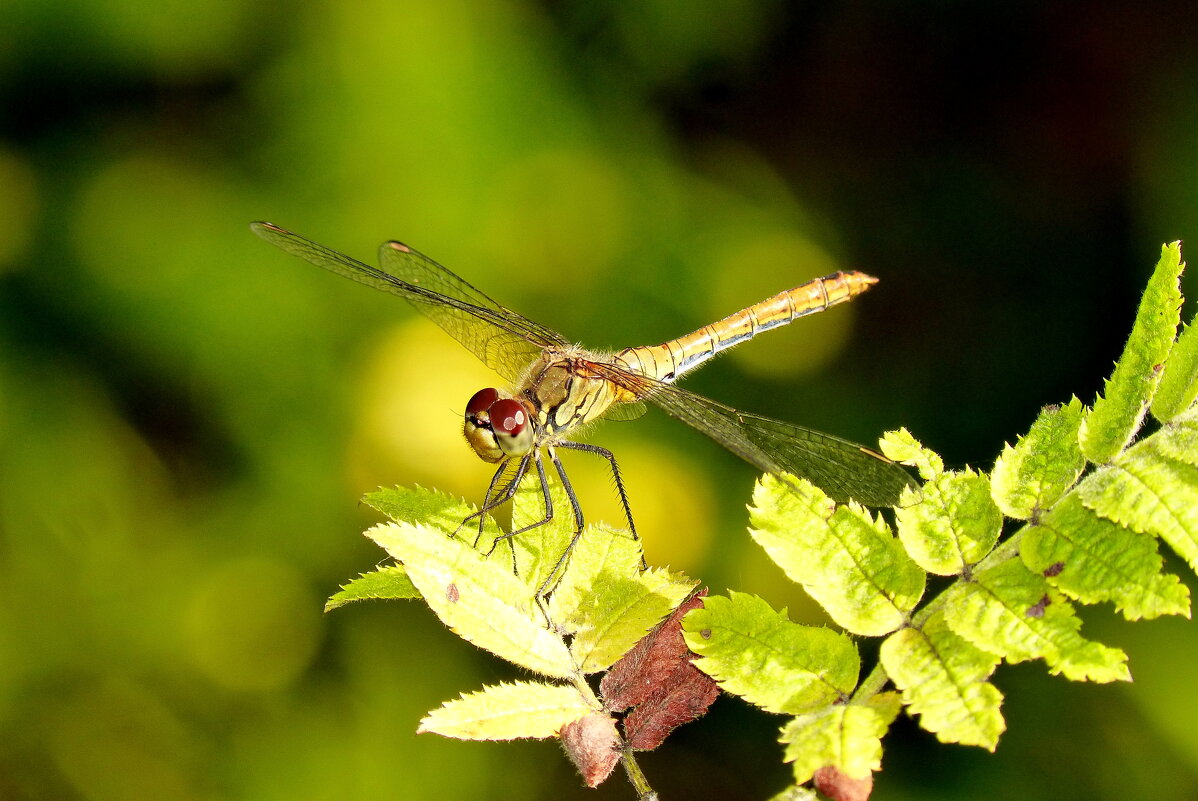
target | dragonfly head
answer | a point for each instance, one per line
(497, 426)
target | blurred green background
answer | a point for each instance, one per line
(188, 416)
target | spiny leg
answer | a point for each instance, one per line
(553, 577)
(615, 471)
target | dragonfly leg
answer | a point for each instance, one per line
(554, 576)
(535, 457)
(615, 471)
(492, 501)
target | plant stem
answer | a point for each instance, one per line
(639, 783)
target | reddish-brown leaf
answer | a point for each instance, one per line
(684, 697)
(838, 787)
(658, 682)
(592, 744)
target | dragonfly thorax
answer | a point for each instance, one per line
(497, 426)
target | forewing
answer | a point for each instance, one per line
(841, 468)
(504, 340)
(508, 351)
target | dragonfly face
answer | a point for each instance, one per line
(497, 426)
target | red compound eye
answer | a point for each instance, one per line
(481, 401)
(508, 416)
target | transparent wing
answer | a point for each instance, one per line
(504, 340)
(841, 468)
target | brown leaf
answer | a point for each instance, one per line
(838, 787)
(657, 680)
(592, 743)
(684, 696)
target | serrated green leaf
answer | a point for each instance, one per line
(1091, 560)
(950, 524)
(846, 560)
(428, 507)
(600, 551)
(846, 736)
(1116, 415)
(1179, 382)
(944, 681)
(386, 583)
(760, 655)
(1014, 613)
(507, 712)
(618, 610)
(1178, 439)
(900, 446)
(1034, 473)
(1151, 493)
(479, 599)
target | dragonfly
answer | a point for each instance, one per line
(557, 388)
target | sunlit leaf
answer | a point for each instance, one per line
(1151, 493)
(429, 507)
(1178, 439)
(619, 610)
(759, 654)
(386, 583)
(1092, 559)
(541, 552)
(479, 599)
(944, 681)
(600, 551)
(1179, 383)
(1014, 613)
(900, 446)
(846, 560)
(951, 522)
(508, 712)
(1116, 415)
(847, 736)
(1033, 474)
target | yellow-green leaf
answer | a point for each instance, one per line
(479, 599)
(846, 559)
(759, 654)
(1014, 613)
(846, 736)
(951, 522)
(1034, 473)
(387, 583)
(944, 681)
(508, 712)
(1116, 415)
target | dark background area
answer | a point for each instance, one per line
(187, 417)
